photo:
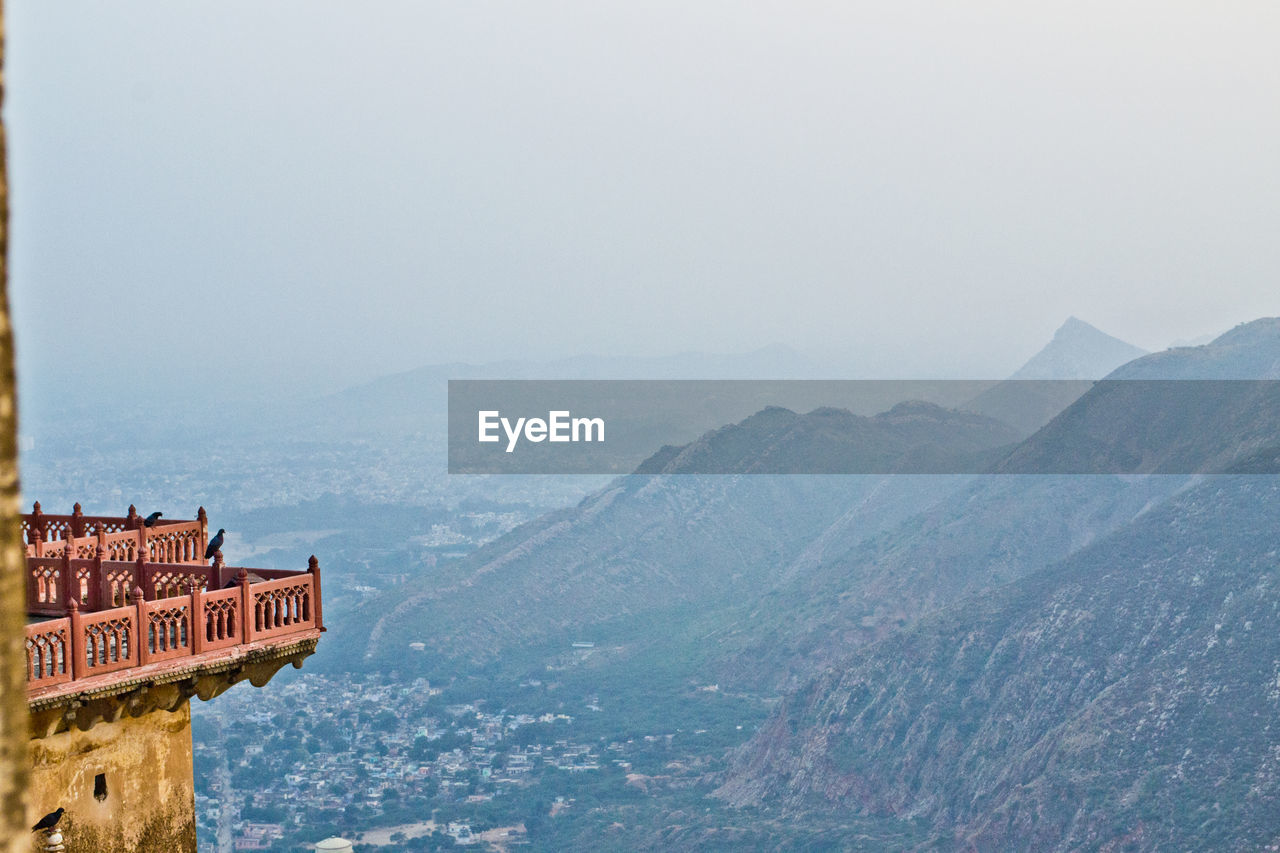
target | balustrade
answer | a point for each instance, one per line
(145, 595)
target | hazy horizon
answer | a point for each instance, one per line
(306, 196)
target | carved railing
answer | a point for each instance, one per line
(103, 642)
(170, 627)
(97, 584)
(56, 528)
(279, 607)
(116, 537)
(177, 542)
(223, 616)
(48, 653)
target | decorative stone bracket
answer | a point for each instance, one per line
(165, 689)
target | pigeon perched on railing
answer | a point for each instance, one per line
(214, 544)
(150, 520)
(49, 821)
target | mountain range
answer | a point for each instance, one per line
(1013, 662)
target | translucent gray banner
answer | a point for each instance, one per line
(863, 426)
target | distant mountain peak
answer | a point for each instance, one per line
(1074, 323)
(1078, 350)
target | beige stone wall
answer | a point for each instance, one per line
(146, 764)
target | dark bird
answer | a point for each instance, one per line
(214, 544)
(150, 520)
(49, 821)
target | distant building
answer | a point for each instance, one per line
(334, 845)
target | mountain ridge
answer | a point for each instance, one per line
(911, 436)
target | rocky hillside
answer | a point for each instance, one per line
(1124, 698)
(989, 532)
(648, 545)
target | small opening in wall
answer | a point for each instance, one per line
(100, 787)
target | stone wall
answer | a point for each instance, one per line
(126, 785)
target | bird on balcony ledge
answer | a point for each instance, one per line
(214, 544)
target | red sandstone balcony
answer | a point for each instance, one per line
(121, 596)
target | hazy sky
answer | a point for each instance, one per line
(313, 192)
